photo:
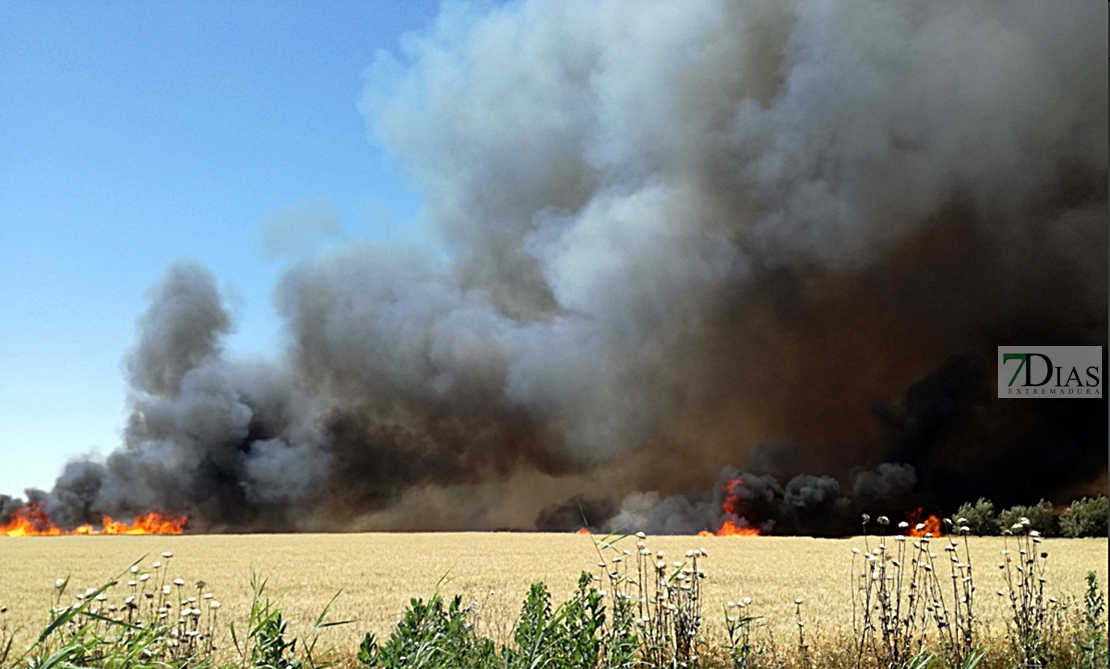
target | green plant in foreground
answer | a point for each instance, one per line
(267, 645)
(622, 644)
(738, 625)
(84, 634)
(1094, 645)
(566, 638)
(430, 635)
(583, 619)
(535, 630)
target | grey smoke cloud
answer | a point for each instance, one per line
(179, 331)
(672, 233)
(806, 504)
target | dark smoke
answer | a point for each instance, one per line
(577, 512)
(9, 505)
(888, 483)
(806, 504)
(671, 232)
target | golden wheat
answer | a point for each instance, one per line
(378, 573)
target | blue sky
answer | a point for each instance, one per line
(135, 134)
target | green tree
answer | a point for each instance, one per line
(1085, 517)
(979, 517)
(1039, 515)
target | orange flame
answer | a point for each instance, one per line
(731, 529)
(31, 521)
(583, 530)
(730, 506)
(732, 498)
(931, 525)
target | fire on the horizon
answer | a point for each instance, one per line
(32, 520)
(764, 245)
(731, 508)
(919, 527)
(730, 529)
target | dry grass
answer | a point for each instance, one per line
(378, 573)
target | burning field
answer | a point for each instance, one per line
(31, 521)
(711, 274)
(741, 268)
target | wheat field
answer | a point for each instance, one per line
(376, 574)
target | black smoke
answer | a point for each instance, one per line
(786, 236)
(577, 512)
(805, 504)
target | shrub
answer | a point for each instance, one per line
(980, 517)
(621, 642)
(1094, 648)
(1039, 515)
(429, 636)
(1085, 517)
(267, 644)
(583, 619)
(566, 638)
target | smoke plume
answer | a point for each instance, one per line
(681, 239)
